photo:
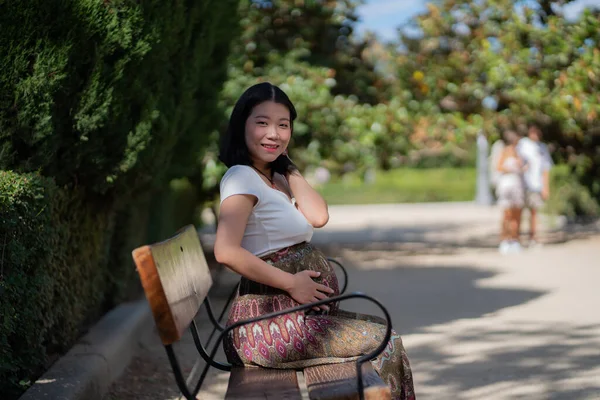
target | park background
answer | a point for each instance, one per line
(110, 113)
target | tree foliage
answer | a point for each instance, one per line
(465, 67)
(529, 62)
(324, 28)
(101, 92)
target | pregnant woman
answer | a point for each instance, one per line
(266, 220)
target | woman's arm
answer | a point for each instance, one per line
(508, 152)
(233, 217)
(500, 164)
(545, 184)
(309, 201)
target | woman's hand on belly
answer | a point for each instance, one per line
(304, 290)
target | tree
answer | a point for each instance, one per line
(526, 61)
(324, 28)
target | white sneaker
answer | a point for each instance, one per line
(515, 247)
(504, 247)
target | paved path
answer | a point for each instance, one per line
(481, 326)
(428, 226)
(476, 325)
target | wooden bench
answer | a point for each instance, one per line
(176, 280)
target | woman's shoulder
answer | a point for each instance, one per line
(240, 178)
(238, 170)
(507, 151)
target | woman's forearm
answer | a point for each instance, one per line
(309, 201)
(253, 268)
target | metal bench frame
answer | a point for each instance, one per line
(209, 357)
(217, 322)
(176, 283)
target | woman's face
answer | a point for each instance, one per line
(512, 138)
(268, 132)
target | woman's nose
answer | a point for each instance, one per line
(272, 133)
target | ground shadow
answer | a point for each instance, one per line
(519, 360)
(438, 238)
(420, 297)
(428, 238)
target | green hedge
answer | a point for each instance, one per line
(51, 246)
(102, 104)
(568, 196)
(102, 93)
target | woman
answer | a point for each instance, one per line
(511, 193)
(266, 220)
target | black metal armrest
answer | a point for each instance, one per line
(217, 322)
(359, 361)
(217, 326)
(339, 264)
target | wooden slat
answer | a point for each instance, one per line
(338, 381)
(263, 383)
(176, 280)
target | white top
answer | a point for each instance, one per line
(537, 158)
(495, 153)
(275, 223)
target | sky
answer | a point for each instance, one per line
(383, 16)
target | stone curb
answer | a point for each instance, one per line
(98, 359)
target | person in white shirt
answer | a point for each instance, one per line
(538, 163)
(266, 220)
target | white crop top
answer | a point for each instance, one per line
(275, 223)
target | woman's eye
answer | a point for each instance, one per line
(262, 123)
(284, 126)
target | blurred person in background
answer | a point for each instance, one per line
(510, 191)
(537, 176)
(494, 175)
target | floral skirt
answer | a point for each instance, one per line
(305, 338)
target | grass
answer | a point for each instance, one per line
(406, 185)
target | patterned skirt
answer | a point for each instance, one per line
(305, 338)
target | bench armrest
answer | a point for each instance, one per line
(217, 326)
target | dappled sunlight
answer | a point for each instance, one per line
(475, 359)
(420, 295)
(478, 325)
(215, 386)
(44, 381)
(371, 232)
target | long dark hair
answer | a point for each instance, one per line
(233, 149)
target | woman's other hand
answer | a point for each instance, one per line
(304, 290)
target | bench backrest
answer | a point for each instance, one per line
(176, 280)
